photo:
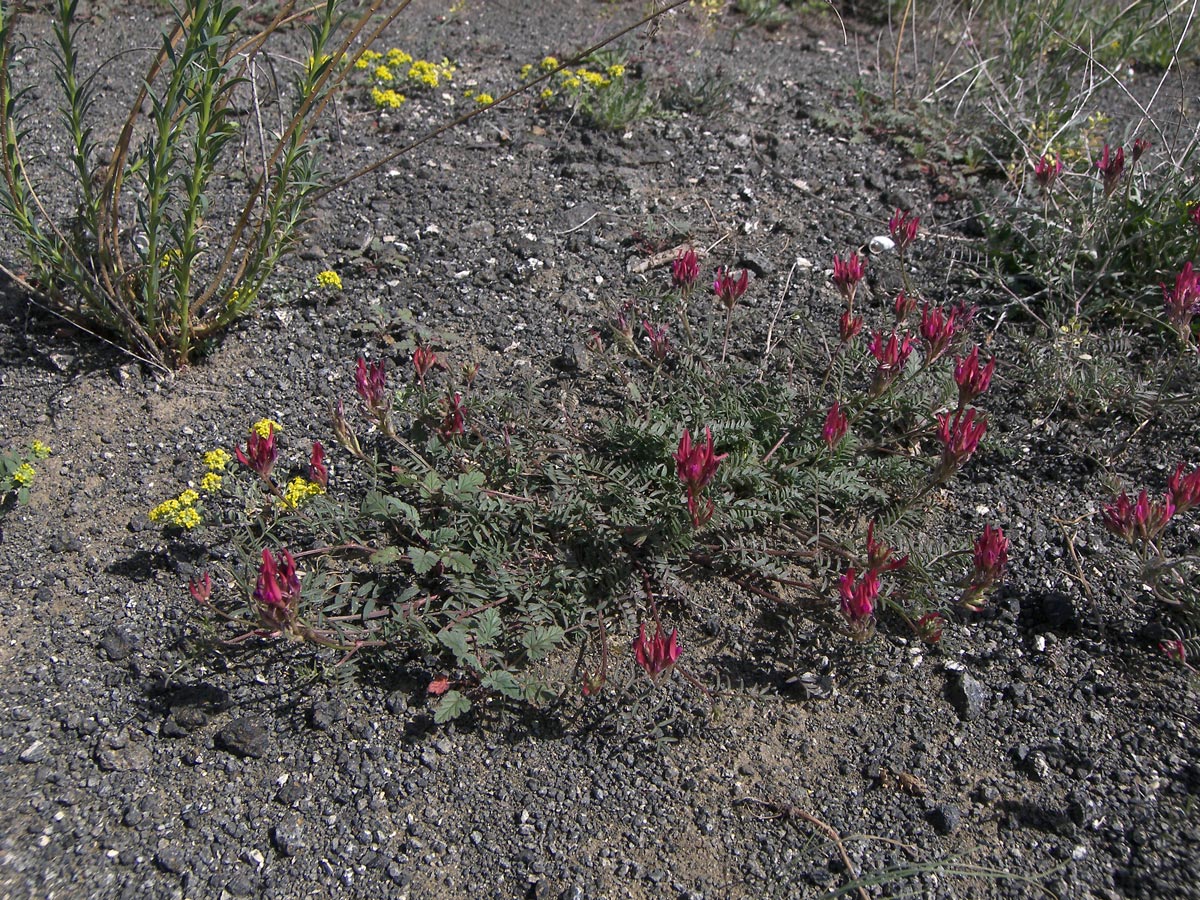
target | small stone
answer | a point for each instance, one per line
(758, 263)
(34, 753)
(967, 696)
(288, 835)
(240, 886)
(242, 737)
(573, 357)
(170, 859)
(190, 717)
(117, 644)
(326, 714)
(945, 818)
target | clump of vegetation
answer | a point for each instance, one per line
(136, 256)
(600, 89)
(465, 523)
(1090, 211)
(390, 73)
(17, 472)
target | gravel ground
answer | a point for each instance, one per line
(1046, 749)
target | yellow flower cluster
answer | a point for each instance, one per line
(179, 511)
(385, 69)
(264, 427)
(575, 80)
(211, 482)
(216, 460)
(387, 99)
(39, 450)
(482, 98)
(24, 475)
(329, 279)
(169, 259)
(424, 72)
(298, 491)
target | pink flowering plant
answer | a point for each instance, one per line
(449, 514)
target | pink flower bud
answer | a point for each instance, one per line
(657, 654)
(260, 452)
(836, 423)
(1111, 165)
(903, 230)
(685, 270)
(318, 473)
(971, 379)
(847, 274)
(729, 289)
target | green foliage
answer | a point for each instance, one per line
(138, 258)
(1034, 80)
(477, 530)
(600, 89)
(17, 472)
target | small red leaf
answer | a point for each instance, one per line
(439, 686)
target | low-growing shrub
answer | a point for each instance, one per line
(466, 523)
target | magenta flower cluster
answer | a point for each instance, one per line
(860, 596)
(656, 654)
(990, 558)
(277, 593)
(696, 464)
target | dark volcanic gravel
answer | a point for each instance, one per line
(1045, 740)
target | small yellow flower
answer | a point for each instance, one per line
(189, 497)
(397, 57)
(547, 94)
(188, 518)
(484, 99)
(424, 72)
(39, 450)
(210, 483)
(388, 99)
(24, 475)
(329, 279)
(216, 460)
(298, 491)
(383, 73)
(572, 84)
(526, 70)
(164, 510)
(593, 79)
(616, 70)
(549, 63)
(169, 258)
(264, 427)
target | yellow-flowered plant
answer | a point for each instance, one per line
(484, 99)
(217, 460)
(330, 280)
(180, 511)
(169, 259)
(424, 72)
(264, 428)
(298, 491)
(387, 99)
(211, 482)
(387, 70)
(17, 472)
